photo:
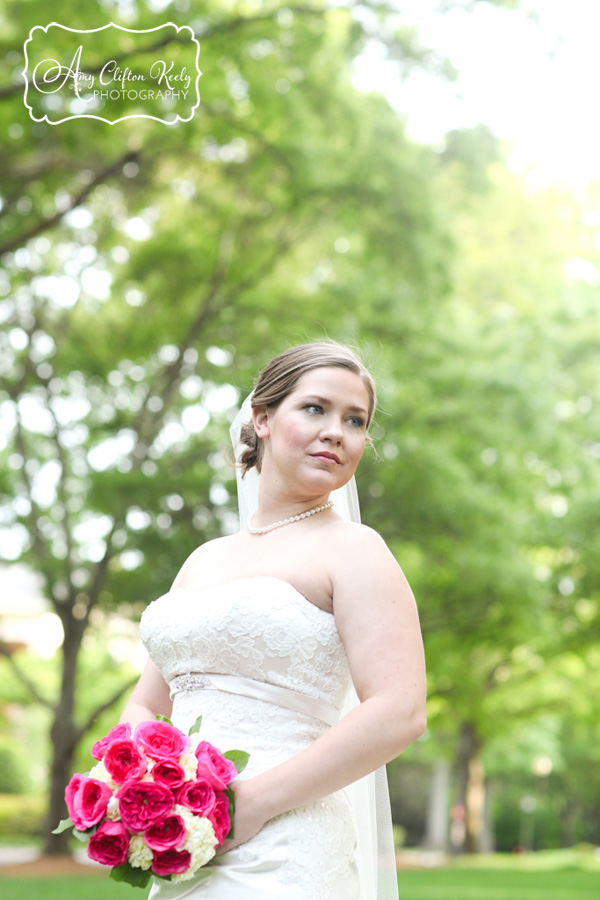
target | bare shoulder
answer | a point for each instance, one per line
(363, 565)
(199, 556)
(354, 544)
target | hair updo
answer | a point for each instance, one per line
(279, 378)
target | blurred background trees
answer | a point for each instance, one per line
(149, 271)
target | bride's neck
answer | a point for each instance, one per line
(274, 507)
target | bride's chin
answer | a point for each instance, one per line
(321, 487)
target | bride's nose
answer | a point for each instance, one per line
(332, 429)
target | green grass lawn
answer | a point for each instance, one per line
(72, 888)
(502, 879)
(498, 884)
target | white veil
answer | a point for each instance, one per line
(369, 796)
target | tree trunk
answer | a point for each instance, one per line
(471, 789)
(475, 806)
(63, 736)
(487, 843)
(436, 832)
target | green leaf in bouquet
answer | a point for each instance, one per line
(83, 836)
(163, 719)
(131, 875)
(239, 758)
(195, 727)
(231, 797)
(63, 825)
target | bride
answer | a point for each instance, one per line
(266, 631)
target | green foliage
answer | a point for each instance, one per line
(230, 793)
(196, 726)
(131, 875)
(239, 758)
(163, 719)
(21, 814)
(491, 613)
(13, 772)
(63, 825)
(491, 532)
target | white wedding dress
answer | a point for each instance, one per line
(267, 671)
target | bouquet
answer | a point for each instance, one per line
(152, 805)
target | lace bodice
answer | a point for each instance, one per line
(260, 628)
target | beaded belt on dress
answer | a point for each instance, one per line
(257, 690)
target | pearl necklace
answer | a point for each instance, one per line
(274, 525)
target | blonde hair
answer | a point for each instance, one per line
(279, 378)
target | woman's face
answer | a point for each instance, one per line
(314, 439)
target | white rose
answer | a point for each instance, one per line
(139, 854)
(112, 812)
(189, 764)
(100, 773)
(200, 841)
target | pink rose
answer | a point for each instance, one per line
(171, 862)
(142, 803)
(118, 733)
(123, 760)
(168, 833)
(197, 796)
(168, 772)
(159, 740)
(87, 800)
(220, 818)
(213, 767)
(109, 845)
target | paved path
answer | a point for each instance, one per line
(10, 856)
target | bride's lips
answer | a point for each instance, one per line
(325, 456)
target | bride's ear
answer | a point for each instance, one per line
(260, 417)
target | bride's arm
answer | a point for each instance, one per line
(149, 698)
(377, 620)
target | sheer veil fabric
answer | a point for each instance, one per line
(370, 795)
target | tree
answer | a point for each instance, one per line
(149, 269)
(508, 588)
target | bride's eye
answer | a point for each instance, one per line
(313, 408)
(357, 422)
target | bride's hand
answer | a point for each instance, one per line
(248, 818)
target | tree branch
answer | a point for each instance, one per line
(79, 732)
(241, 126)
(214, 300)
(62, 490)
(77, 200)
(99, 573)
(24, 679)
(171, 375)
(34, 513)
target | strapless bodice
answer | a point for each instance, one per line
(259, 628)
